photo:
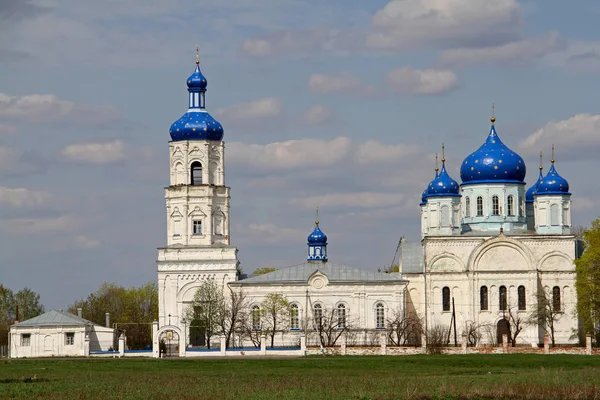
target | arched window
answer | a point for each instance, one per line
(318, 315)
(511, 205)
(480, 206)
(294, 320)
(495, 205)
(341, 316)
(196, 173)
(554, 215)
(502, 298)
(483, 298)
(556, 306)
(522, 300)
(255, 318)
(379, 316)
(445, 216)
(446, 299)
(468, 207)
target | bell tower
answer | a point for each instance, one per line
(197, 205)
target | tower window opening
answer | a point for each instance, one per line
(502, 298)
(379, 316)
(556, 306)
(522, 300)
(446, 299)
(341, 316)
(495, 205)
(483, 298)
(256, 318)
(511, 205)
(294, 320)
(197, 227)
(480, 206)
(468, 207)
(196, 173)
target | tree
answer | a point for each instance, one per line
(233, 315)
(404, 330)
(393, 268)
(207, 310)
(29, 305)
(330, 325)
(545, 314)
(588, 281)
(516, 324)
(262, 271)
(275, 308)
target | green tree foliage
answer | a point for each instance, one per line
(588, 281)
(131, 310)
(29, 307)
(207, 311)
(275, 310)
(262, 271)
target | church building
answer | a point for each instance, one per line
(490, 249)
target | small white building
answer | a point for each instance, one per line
(58, 334)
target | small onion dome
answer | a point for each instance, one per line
(317, 237)
(196, 125)
(532, 191)
(493, 162)
(443, 185)
(423, 198)
(552, 183)
(197, 80)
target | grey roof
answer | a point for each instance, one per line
(334, 272)
(55, 318)
(412, 258)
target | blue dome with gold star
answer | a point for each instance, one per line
(196, 123)
(532, 191)
(552, 183)
(317, 237)
(443, 185)
(493, 162)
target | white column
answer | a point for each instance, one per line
(121, 345)
(155, 344)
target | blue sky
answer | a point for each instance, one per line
(340, 104)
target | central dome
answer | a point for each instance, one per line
(493, 162)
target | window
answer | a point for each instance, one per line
(25, 339)
(502, 298)
(197, 225)
(445, 216)
(522, 301)
(446, 299)
(255, 318)
(69, 338)
(495, 205)
(341, 316)
(294, 320)
(556, 299)
(196, 173)
(483, 298)
(480, 206)
(379, 316)
(318, 315)
(511, 205)
(468, 207)
(554, 215)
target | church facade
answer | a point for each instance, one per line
(489, 247)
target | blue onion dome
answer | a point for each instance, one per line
(532, 191)
(196, 125)
(493, 162)
(317, 237)
(443, 184)
(197, 80)
(423, 198)
(552, 183)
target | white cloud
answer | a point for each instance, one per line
(83, 242)
(342, 82)
(319, 115)
(445, 22)
(251, 111)
(14, 161)
(95, 153)
(23, 198)
(300, 41)
(516, 52)
(578, 136)
(373, 151)
(34, 226)
(422, 82)
(48, 107)
(360, 200)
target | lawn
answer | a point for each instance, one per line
(514, 376)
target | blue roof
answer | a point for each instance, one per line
(423, 198)
(443, 185)
(197, 80)
(317, 237)
(493, 162)
(194, 125)
(552, 183)
(533, 189)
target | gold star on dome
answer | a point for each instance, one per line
(495, 167)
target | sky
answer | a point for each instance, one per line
(340, 104)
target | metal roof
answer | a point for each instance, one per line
(412, 258)
(55, 318)
(334, 272)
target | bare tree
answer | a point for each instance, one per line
(404, 330)
(516, 325)
(473, 331)
(275, 312)
(248, 329)
(436, 339)
(231, 318)
(330, 325)
(546, 314)
(207, 309)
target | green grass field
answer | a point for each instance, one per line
(401, 377)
